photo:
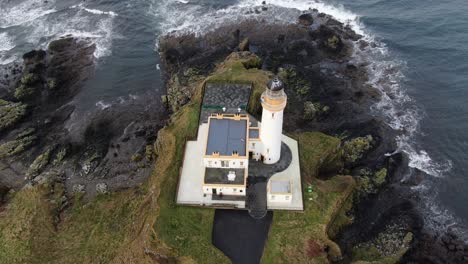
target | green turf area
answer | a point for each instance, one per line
(304, 237)
(187, 230)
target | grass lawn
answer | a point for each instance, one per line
(302, 237)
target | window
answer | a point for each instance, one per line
(272, 115)
(225, 163)
(235, 189)
(240, 190)
(286, 197)
(272, 197)
(242, 163)
(210, 163)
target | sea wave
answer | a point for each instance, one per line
(40, 23)
(14, 13)
(94, 11)
(6, 42)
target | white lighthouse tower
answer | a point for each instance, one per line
(273, 102)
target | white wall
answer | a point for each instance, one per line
(256, 148)
(270, 135)
(279, 198)
(224, 190)
(232, 163)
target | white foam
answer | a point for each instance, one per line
(102, 105)
(6, 42)
(338, 12)
(94, 11)
(14, 14)
(80, 24)
(7, 59)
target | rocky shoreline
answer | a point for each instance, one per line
(328, 93)
(112, 150)
(105, 151)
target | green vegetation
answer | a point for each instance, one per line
(24, 92)
(303, 237)
(22, 142)
(60, 156)
(29, 79)
(27, 87)
(136, 157)
(26, 227)
(149, 152)
(318, 153)
(52, 84)
(10, 113)
(369, 182)
(311, 110)
(244, 44)
(354, 149)
(39, 163)
(380, 176)
(386, 249)
(90, 232)
(294, 81)
(332, 43)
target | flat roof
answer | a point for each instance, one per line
(280, 187)
(254, 133)
(220, 176)
(227, 136)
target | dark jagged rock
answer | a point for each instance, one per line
(37, 144)
(306, 19)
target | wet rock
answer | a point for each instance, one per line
(79, 188)
(306, 19)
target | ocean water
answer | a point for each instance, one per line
(419, 62)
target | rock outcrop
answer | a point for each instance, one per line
(34, 107)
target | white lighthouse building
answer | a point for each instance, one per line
(273, 102)
(233, 148)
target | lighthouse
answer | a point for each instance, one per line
(273, 101)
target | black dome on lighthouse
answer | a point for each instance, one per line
(275, 84)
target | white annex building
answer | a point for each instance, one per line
(238, 162)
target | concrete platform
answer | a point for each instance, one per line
(191, 178)
(293, 174)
